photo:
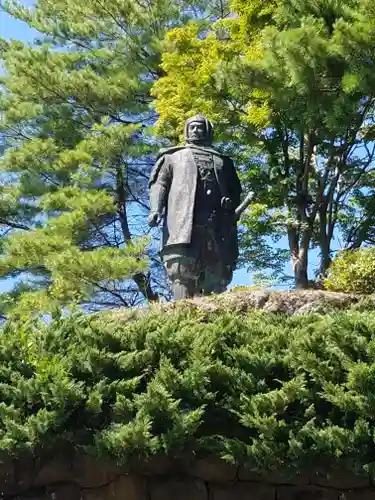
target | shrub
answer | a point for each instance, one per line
(260, 389)
(353, 271)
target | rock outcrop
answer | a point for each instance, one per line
(283, 302)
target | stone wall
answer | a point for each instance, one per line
(82, 478)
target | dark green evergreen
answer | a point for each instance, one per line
(74, 122)
(256, 388)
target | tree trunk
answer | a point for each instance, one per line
(325, 260)
(142, 281)
(299, 257)
(300, 276)
(325, 242)
(299, 263)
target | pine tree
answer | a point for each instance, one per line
(290, 87)
(75, 120)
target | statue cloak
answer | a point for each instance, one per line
(173, 184)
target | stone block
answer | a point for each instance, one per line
(16, 476)
(249, 491)
(55, 471)
(64, 492)
(213, 469)
(178, 490)
(127, 488)
(358, 494)
(306, 493)
(24, 471)
(7, 476)
(31, 496)
(122, 488)
(162, 466)
(287, 477)
(101, 493)
(90, 473)
(339, 478)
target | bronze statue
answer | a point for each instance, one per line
(197, 190)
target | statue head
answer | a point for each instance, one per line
(199, 131)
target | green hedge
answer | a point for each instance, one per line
(260, 389)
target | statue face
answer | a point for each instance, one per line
(196, 132)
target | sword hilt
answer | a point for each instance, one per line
(243, 206)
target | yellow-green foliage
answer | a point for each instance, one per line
(197, 60)
(353, 271)
(260, 389)
(286, 84)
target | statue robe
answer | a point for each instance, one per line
(173, 185)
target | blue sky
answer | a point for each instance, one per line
(11, 28)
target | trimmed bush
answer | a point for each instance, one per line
(353, 271)
(259, 389)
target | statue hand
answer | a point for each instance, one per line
(226, 203)
(154, 219)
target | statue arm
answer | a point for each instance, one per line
(234, 184)
(160, 181)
